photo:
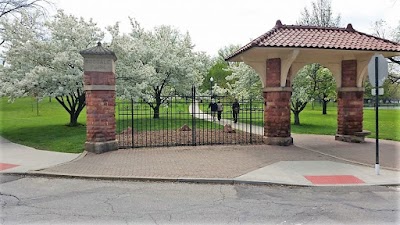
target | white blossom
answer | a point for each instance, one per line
(244, 82)
(42, 58)
(154, 64)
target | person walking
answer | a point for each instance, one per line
(235, 110)
(214, 108)
(220, 109)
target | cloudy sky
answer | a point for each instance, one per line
(213, 24)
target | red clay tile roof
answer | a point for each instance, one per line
(296, 36)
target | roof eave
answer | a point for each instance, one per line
(236, 57)
(232, 58)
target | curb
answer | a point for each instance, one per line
(154, 179)
(149, 179)
(223, 181)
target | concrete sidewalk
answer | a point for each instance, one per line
(16, 158)
(316, 160)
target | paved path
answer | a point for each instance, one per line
(238, 126)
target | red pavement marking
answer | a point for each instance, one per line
(334, 179)
(4, 166)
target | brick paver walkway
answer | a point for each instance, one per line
(185, 162)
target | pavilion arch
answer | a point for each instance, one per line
(293, 73)
(285, 49)
(332, 68)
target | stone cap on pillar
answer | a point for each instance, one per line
(98, 51)
(98, 59)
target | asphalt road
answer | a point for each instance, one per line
(39, 200)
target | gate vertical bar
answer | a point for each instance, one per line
(168, 126)
(118, 124)
(147, 125)
(163, 129)
(133, 138)
(193, 115)
(150, 127)
(251, 122)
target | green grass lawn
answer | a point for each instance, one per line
(20, 123)
(47, 131)
(313, 122)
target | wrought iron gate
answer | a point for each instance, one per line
(188, 120)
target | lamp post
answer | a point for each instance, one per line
(211, 86)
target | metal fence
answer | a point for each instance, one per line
(188, 120)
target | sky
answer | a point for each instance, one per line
(213, 24)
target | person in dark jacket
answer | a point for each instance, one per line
(214, 108)
(220, 109)
(235, 110)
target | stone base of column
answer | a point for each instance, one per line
(350, 138)
(281, 141)
(101, 147)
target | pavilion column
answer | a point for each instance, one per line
(277, 106)
(99, 85)
(350, 105)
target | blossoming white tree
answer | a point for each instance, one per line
(153, 65)
(300, 92)
(20, 8)
(242, 81)
(43, 60)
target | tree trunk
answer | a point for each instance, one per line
(324, 103)
(324, 106)
(74, 105)
(76, 111)
(156, 112)
(73, 119)
(156, 108)
(296, 118)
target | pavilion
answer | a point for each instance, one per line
(280, 53)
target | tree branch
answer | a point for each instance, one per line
(69, 102)
(303, 106)
(81, 102)
(393, 60)
(17, 7)
(165, 81)
(61, 101)
(148, 103)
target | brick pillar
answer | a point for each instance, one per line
(99, 85)
(350, 104)
(277, 109)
